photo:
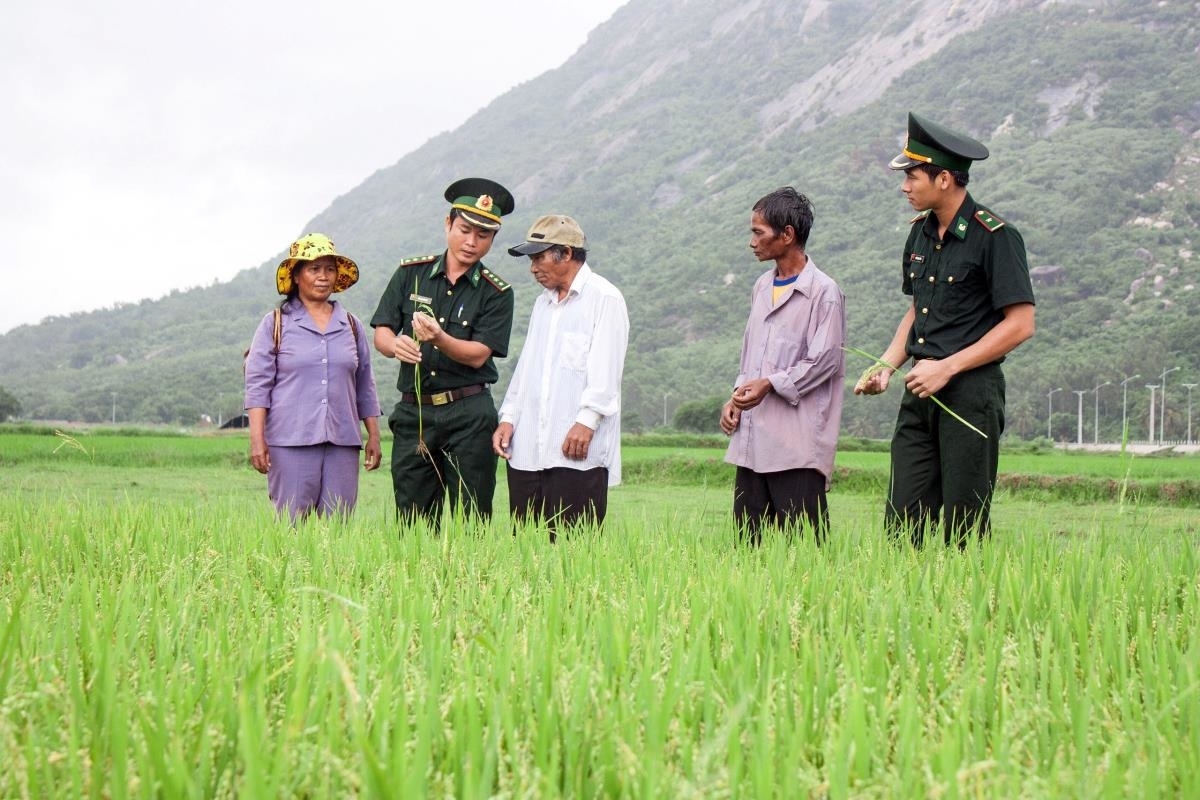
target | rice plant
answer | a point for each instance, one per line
(155, 641)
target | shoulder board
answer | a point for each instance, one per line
(494, 279)
(918, 217)
(989, 220)
(417, 261)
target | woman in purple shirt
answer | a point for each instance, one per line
(308, 384)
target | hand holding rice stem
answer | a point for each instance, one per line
(879, 365)
(869, 373)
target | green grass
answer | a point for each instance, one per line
(123, 449)
(161, 635)
(1066, 477)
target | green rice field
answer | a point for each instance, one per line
(163, 636)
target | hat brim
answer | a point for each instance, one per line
(347, 274)
(478, 221)
(530, 248)
(903, 161)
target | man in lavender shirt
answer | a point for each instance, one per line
(786, 407)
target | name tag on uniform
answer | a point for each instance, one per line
(417, 298)
(917, 257)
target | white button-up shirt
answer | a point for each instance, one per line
(570, 371)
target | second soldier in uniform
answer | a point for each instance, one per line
(971, 304)
(448, 316)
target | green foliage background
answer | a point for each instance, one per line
(659, 134)
(10, 406)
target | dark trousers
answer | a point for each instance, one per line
(560, 497)
(791, 500)
(942, 467)
(458, 465)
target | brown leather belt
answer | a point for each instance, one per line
(443, 398)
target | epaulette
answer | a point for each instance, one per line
(919, 217)
(417, 261)
(989, 220)
(494, 279)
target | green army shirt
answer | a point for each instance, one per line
(960, 283)
(478, 308)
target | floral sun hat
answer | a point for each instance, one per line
(310, 247)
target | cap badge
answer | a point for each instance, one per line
(484, 203)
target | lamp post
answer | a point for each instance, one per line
(1125, 404)
(1189, 387)
(114, 413)
(1096, 436)
(1152, 387)
(1162, 417)
(665, 396)
(1079, 430)
(1050, 412)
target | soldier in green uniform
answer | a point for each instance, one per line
(972, 304)
(445, 317)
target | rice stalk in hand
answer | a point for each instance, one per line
(422, 448)
(943, 406)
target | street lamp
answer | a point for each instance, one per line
(1050, 412)
(1189, 387)
(1162, 422)
(1124, 405)
(1096, 439)
(1151, 387)
(1079, 431)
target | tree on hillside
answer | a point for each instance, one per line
(701, 416)
(10, 406)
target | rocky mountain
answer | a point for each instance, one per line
(676, 115)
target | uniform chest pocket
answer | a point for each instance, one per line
(961, 286)
(917, 272)
(407, 308)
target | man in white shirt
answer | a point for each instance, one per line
(560, 422)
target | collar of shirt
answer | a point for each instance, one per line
(962, 221)
(299, 314)
(803, 283)
(439, 268)
(578, 284)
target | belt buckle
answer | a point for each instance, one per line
(439, 398)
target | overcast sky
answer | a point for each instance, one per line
(150, 145)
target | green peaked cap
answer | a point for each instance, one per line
(482, 202)
(931, 143)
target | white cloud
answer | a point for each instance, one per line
(151, 146)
